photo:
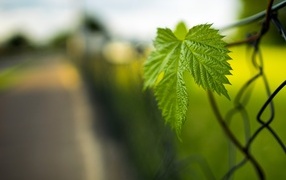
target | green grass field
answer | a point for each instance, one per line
(11, 76)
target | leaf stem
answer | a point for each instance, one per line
(232, 138)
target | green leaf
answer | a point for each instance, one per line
(199, 52)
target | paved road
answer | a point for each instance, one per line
(45, 129)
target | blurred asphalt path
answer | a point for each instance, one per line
(46, 129)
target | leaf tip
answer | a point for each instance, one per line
(181, 30)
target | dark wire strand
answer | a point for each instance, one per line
(232, 170)
(255, 17)
(270, 104)
(279, 26)
(239, 107)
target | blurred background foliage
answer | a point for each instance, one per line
(112, 70)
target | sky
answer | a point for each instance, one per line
(126, 19)
(39, 19)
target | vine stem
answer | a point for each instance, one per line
(254, 17)
(265, 27)
(268, 17)
(232, 138)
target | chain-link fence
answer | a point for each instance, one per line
(243, 96)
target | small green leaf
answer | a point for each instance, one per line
(181, 31)
(199, 52)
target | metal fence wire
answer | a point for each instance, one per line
(243, 96)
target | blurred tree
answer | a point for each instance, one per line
(95, 36)
(93, 25)
(17, 42)
(249, 8)
(60, 40)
